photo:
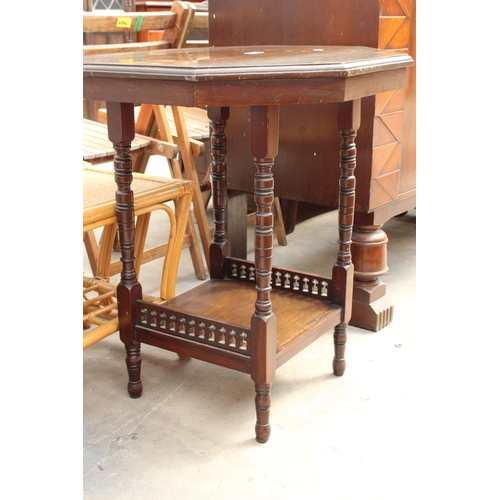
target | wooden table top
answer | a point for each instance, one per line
(250, 63)
(251, 75)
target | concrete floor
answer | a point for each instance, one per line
(191, 434)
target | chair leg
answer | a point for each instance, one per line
(263, 409)
(191, 174)
(92, 250)
(159, 119)
(106, 244)
(279, 225)
(195, 250)
(205, 187)
(339, 340)
(141, 231)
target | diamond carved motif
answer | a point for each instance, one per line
(395, 7)
(394, 24)
(386, 156)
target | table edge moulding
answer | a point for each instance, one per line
(280, 311)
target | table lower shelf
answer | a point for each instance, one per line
(212, 322)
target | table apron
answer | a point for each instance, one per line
(240, 92)
(139, 91)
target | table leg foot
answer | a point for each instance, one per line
(263, 408)
(133, 361)
(371, 308)
(339, 341)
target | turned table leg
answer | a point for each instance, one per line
(264, 141)
(348, 117)
(121, 133)
(220, 247)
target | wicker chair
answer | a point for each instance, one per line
(100, 312)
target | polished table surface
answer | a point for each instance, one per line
(249, 63)
(331, 74)
(234, 320)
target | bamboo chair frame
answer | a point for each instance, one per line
(151, 193)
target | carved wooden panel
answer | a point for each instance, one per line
(388, 122)
(195, 328)
(388, 125)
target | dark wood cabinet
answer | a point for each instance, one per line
(386, 180)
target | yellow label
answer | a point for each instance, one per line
(124, 22)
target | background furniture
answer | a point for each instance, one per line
(234, 320)
(174, 26)
(198, 34)
(386, 139)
